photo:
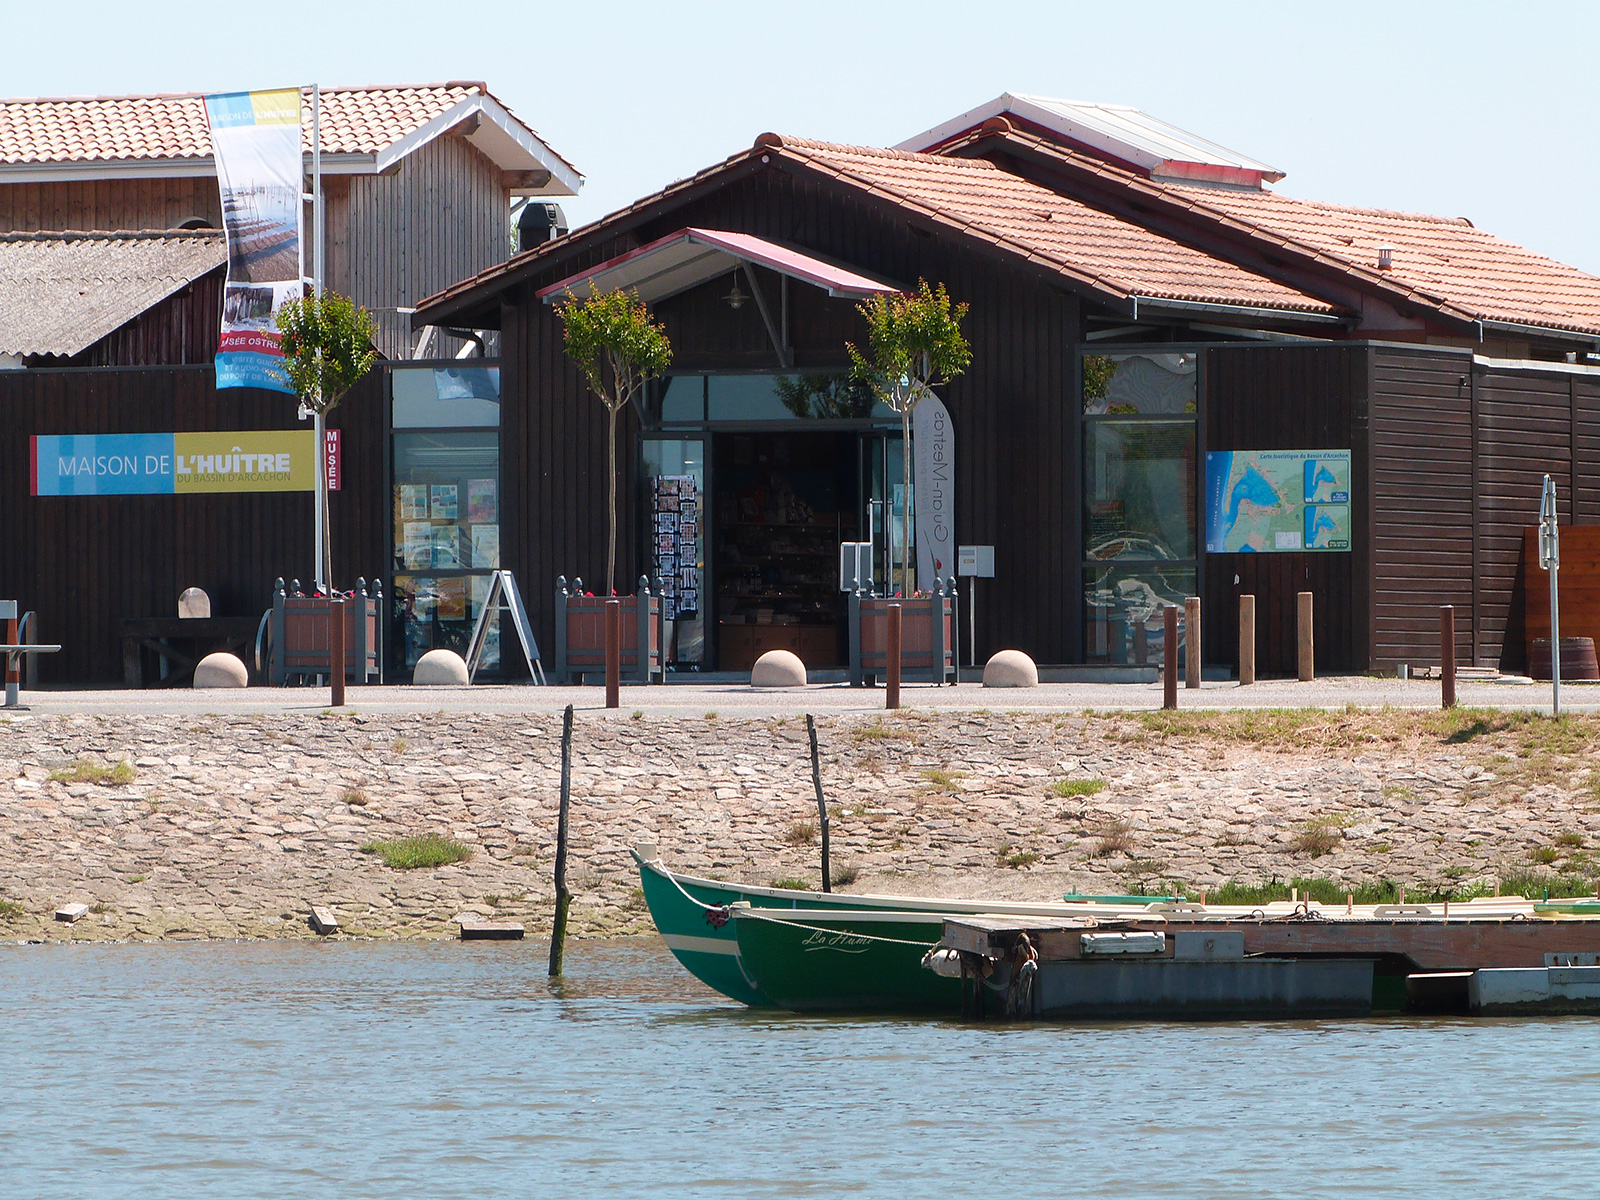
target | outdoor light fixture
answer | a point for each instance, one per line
(735, 299)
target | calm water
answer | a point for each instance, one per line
(355, 1070)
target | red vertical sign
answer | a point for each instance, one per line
(332, 459)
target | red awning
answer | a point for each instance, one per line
(690, 257)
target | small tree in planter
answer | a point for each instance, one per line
(914, 344)
(327, 347)
(618, 348)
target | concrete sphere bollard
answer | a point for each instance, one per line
(221, 670)
(441, 668)
(1010, 668)
(778, 669)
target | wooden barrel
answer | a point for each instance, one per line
(1577, 659)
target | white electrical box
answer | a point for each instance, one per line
(975, 560)
(855, 566)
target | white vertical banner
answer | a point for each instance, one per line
(933, 466)
(255, 139)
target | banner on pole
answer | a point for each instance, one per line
(933, 453)
(255, 138)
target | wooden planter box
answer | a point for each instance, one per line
(299, 636)
(927, 638)
(581, 634)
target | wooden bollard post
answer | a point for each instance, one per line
(336, 648)
(891, 698)
(613, 653)
(1308, 658)
(1447, 655)
(1169, 658)
(1247, 640)
(558, 928)
(822, 803)
(1191, 642)
(12, 661)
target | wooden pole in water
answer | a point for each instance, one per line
(613, 653)
(1308, 658)
(558, 930)
(891, 689)
(1247, 640)
(1447, 655)
(1169, 658)
(1191, 642)
(822, 803)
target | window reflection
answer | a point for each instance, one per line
(1140, 481)
(1150, 384)
(1123, 606)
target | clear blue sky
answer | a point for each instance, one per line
(1466, 109)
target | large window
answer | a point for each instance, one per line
(696, 399)
(1139, 509)
(446, 507)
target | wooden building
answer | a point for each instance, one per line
(1145, 311)
(418, 181)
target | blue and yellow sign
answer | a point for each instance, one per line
(131, 464)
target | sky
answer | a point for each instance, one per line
(1481, 110)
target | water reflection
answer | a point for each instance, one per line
(446, 1070)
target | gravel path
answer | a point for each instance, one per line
(233, 825)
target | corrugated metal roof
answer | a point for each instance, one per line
(62, 292)
(1117, 130)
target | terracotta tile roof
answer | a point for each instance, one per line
(62, 292)
(1106, 251)
(1440, 257)
(365, 120)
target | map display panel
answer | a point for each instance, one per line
(1277, 501)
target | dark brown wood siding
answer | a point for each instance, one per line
(1017, 475)
(85, 562)
(1294, 397)
(1422, 503)
(397, 239)
(110, 204)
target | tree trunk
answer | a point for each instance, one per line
(611, 463)
(905, 511)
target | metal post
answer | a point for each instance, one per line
(891, 672)
(1447, 655)
(613, 653)
(13, 674)
(1247, 640)
(1169, 656)
(972, 620)
(1308, 659)
(1191, 640)
(336, 663)
(318, 429)
(822, 803)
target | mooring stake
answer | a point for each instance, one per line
(822, 803)
(558, 931)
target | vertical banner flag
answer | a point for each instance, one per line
(255, 138)
(933, 472)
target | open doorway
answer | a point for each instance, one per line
(784, 502)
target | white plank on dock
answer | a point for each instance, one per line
(474, 929)
(323, 921)
(72, 912)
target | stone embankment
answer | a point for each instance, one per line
(234, 826)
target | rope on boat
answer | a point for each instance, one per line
(712, 911)
(762, 915)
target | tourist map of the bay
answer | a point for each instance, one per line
(1277, 501)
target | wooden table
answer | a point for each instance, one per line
(181, 642)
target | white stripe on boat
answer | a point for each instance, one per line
(701, 945)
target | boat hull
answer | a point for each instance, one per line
(848, 963)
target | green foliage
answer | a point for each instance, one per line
(84, 771)
(617, 348)
(789, 884)
(424, 851)
(1076, 787)
(914, 344)
(327, 347)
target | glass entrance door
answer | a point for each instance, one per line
(883, 497)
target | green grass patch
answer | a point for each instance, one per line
(1113, 837)
(790, 884)
(946, 781)
(801, 833)
(1076, 787)
(1320, 836)
(355, 797)
(84, 771)
(877, 732)
(10, 910)
(137, 878)
(1016, 859)
(416, 853)
(1571, 838)
(844, 876)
